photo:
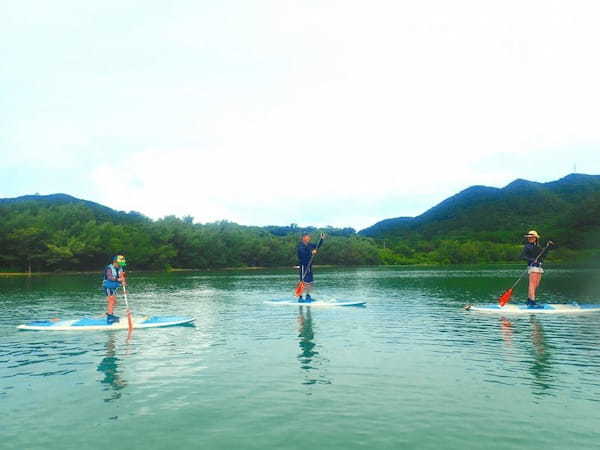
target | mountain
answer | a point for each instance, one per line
(60, 232)
(37, 203)
(502, 214)
(478, 225)
(103, 213)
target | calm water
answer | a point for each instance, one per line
(411, 370)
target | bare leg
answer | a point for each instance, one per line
(538, 281)
(531, 289)
(534, 282)
(111, 301)
(307, 288)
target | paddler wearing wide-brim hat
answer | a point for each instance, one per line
(534, 254)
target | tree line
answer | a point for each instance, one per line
(38, 236)
(72, 237)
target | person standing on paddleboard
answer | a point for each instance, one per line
(534, 254)
(306, 251)
(114, 278)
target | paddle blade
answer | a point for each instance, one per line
(504, 298)
(299, 289)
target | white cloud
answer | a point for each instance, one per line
(326, 112)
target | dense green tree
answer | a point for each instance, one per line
(62, 233)
(27, 247)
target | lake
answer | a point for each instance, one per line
(412, 369)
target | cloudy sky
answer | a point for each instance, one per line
(315, 112)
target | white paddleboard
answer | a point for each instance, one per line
(542, 308)
(96, 324)
(319, 303)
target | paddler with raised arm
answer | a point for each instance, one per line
(114, 278)
(534, 254)
(306, 251)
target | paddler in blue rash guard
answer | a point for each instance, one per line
(114, 278)
(306, 251)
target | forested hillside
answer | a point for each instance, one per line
(486, 224)
(478, 225)
(60, 232)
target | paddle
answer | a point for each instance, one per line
(129, 319)
(301, 284)
(505, 297)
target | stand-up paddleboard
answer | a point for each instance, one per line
(295, 302)
(96, 324)
(542, 308)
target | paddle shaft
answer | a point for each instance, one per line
(129, 319)
(304, 273)
(125, 297)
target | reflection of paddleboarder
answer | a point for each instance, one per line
(306, 335)
(542, 364)
(109, 366)
(507, 330)
(309, 357)
(306, 252)
(537, 336)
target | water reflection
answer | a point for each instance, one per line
(110, 366)
(309, 357)
(541, 364)
(506, 330)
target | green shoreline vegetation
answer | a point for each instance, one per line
(588, 262)
(60, 233)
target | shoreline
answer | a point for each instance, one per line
(293, 268)
(176, 270)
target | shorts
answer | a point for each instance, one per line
(110, 287)
(532, 269)
(308, 276)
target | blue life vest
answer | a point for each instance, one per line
(115, 273)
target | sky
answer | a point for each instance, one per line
(320, 113)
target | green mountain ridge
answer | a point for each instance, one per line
(477, 225)
(554, 208)
(100, 212)
(61, 232)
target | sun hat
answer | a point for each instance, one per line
(533, 233)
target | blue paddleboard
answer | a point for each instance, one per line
(314, 302)
(542, 308)
(99, 324)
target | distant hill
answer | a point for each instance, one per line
(478, 225)
(559, 209)
(98, 211)
(61, 232)
(103, 213)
